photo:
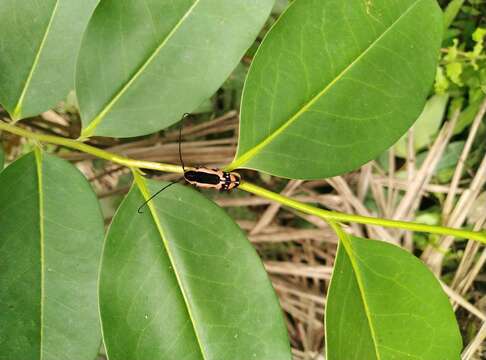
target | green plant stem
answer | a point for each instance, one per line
(78, 145)
(342, 217)
(327, 215)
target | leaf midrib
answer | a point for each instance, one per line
(90, 129)
(145, 193)
(17, 113)
(247, 156)
(38, 163)
(348, 248)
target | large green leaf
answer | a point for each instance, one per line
(181, 281)
(51, 236)
(145, 63)
(335, 83)
(39, 41)
(384, 304)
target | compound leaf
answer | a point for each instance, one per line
(384, 304)
(143, 64)
(335, 83)
(51, 236)
(39, 41)
(181, 281)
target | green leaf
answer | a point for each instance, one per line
(441, 83)
(478, 38)
(143, 64)
(426, 126)
(335, 83)
(451, 12)
(181, 281)
(454, 71)
(479, 34)
(39, 41)
(384, 304)
(467, 115)
(452, 52)
(50, 247)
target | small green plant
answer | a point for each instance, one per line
(333, 85)
(463, 73)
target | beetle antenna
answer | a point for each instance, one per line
(154, 195)
(183, 168)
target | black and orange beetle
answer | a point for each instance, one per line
(212, 179)
(202, 177)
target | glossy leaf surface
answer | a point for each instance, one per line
(335, 83)
(51, 235)
(143, 64)
(384, 304)
(39, 42)
(181, 281)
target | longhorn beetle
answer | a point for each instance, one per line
(201, 177)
